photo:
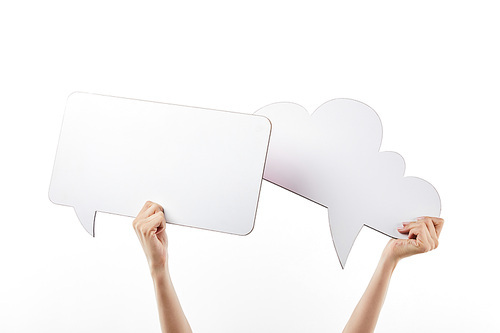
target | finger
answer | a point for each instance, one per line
(432, 231)
(423, 239)
(438, 224)
(156, 222)
(138, 219)
(437, 221)
(145, 225)
(162, 227)
(407, 226)
(163, 223)
(147, 204)
(154, 208)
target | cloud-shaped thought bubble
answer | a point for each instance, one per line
(332, 158)
(203, 166)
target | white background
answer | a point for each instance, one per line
(430, 70)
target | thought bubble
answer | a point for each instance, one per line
(332, 158)
(203, 166)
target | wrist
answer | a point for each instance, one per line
(389, 261)
(159, 271)
(161, 279)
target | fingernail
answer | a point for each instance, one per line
(420, 218)
(405, 224)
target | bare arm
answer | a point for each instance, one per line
(149, 226)
(422, 237)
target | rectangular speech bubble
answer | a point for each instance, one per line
(203, 166)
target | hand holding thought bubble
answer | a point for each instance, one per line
(332, 158)
(205, 166)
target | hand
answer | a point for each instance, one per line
(423, 236)
(149, 225)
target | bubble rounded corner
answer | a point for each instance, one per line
(50, 196)
(266, 122)
(74, 94)
(261, 111)
(438, 197)
(247, 231)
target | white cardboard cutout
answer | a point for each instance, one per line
(332, 158)
(204, 166)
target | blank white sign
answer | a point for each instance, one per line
(203, 166)
(332, 158)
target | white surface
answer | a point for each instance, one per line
(205, 166)
(430, 69)
(332, 158)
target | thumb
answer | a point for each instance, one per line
(405, 247)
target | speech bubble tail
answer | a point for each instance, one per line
(87, 218)
(344, 232)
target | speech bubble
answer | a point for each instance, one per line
(203, 166)
(332, 158)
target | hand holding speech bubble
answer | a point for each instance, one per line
(332, 158)
(204, 166)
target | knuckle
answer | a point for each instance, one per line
(142, 227)
(424, 247)
(144, 230)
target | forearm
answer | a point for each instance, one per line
(365, 315)
(172, 318)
